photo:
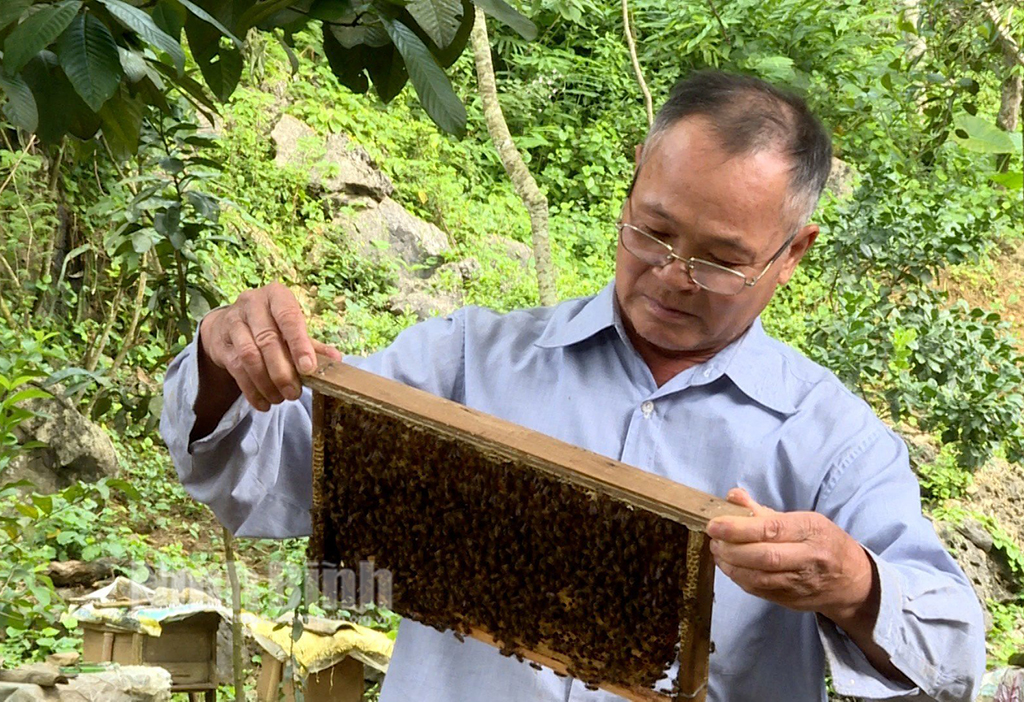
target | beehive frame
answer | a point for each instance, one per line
(339, 388)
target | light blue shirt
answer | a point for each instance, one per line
(757, 415)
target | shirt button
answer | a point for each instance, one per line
(707, 372)
(647, 408)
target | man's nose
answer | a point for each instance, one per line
(676, 274)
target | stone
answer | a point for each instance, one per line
(988, 574)
(295, 142)
(336, 165)
(415, 297)
(76, 448)
(388, 230)
(129, 683)
(120, 684)
(516, 250)
(349, 169)
(225, 675)
(841, 179)
(976, 533)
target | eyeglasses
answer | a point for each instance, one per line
(705, 274)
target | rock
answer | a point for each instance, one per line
(976, 533)
(337, 165)
(78, 573)
(129, 683)
(415, 297)
(295, 142)
(224, 671)
(388, 230)
(514, 249)
(76, 448)
(351, 170)
(990, 576)
(922, 448)
(841, 179)
(466, 270)
(120, 684)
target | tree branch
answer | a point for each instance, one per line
(522, 180)
(1010, 46)
(631, 43)
(714, 11)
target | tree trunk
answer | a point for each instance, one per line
(525, 186)
(1013, 84)
(631, 43)
(236, 618)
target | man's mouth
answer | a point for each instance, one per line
(663, 311)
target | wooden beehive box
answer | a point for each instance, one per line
(186, 648)
(551, 553)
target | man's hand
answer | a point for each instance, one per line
(256, 346)
(800, 560)
(803, 561)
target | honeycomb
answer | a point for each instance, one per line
(480, 542)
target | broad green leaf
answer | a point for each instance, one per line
(440, 19)
(44, 503)
(21, 106)
(191, 89)
(262, 10)
(774, 68)
(387, 71)
(124, 486)
(11, 10)
(210, 19)
(983, 137)
(169, 16)
(1011, 181)
(122, 124)
(507, 15)
(135, 67)
(432, 85)
(347, 64)
(89, 58)
(370, 33)
(61, 110)
(448, 55)
(142, 24)
(222, 70)
(35, 34)
(31, 393)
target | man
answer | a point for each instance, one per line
(667, 369)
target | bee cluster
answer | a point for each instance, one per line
(474, 540)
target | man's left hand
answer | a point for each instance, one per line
(800, 560)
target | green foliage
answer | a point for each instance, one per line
(111, 53)
(943, 478)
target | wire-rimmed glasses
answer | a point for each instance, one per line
(705, 274)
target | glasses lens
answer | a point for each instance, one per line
(643, 246)
(715, 279)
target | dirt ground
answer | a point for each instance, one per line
(998, 285)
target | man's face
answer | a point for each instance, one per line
(729, 210)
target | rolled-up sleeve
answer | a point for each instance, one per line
(254, 469)
(930, 621)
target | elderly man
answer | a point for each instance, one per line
(667, 369)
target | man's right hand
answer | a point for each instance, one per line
(256, 347)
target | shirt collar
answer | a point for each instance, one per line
(754, 362)
(596, 315)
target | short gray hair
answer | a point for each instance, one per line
(750, 115)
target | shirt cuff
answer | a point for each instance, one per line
(236, 413)
(853, 675)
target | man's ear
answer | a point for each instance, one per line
(639, 151)
(802, 242)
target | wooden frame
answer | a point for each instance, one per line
(186, 648)
(590, 471)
